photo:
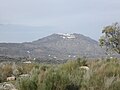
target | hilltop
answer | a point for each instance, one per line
(58, 46)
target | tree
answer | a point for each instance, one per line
(111, 38)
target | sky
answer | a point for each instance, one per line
(39, 18)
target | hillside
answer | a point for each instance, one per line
(58, 46)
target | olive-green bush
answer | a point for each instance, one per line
(102, 75)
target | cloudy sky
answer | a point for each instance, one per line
(45, 17)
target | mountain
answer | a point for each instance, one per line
(57, 46)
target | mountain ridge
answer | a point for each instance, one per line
(58, 46)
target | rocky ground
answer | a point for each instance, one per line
(7, 86)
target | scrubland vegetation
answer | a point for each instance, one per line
(101, 75)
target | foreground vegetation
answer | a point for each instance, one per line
(102, 75)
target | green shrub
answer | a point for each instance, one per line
(103, 75)
(26, 84)
(30, 82)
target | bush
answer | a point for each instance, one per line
(5, 71)
(103, 75)
(29, 82)
(55, 80)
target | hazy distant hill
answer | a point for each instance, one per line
(59, 46)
